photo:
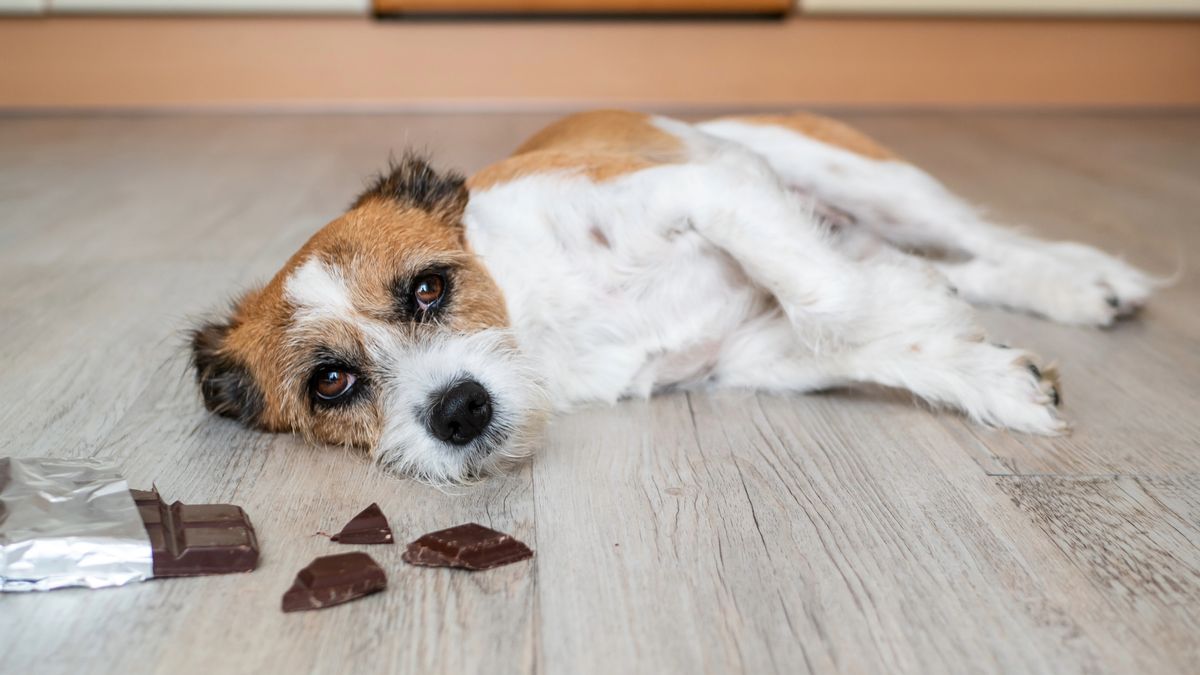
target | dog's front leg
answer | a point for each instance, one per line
(888, 319)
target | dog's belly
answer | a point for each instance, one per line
(651, 322)
(614, 310)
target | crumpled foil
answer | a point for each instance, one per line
(68, 523)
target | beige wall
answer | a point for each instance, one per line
(351, 63)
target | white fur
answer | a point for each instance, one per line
(318, 290)
(414, 371)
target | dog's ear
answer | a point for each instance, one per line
(413, 181)
(228, 387)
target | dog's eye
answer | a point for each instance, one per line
(428, 290)
(331, 383)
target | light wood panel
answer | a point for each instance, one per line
(354, 64)
(728, 532)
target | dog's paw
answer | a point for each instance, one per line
(1065, 282)
(1076, 284)
(1081, 302)
(1016, 391)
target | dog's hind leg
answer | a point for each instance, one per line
(908, 208)
(888, 319)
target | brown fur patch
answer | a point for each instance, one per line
(601, 145)
(825, 130)
(607, 132)
(597, 167)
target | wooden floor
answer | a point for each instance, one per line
(690, 533)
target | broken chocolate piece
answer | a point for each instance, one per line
(197, 539)
(368, 527)
(334, 579)
(470, 546)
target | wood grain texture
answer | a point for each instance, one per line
(353, 64)
(729, 532)
(1135, 539)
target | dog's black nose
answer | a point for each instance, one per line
(461, 413)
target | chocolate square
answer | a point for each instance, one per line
(470, 546)
(334, 579)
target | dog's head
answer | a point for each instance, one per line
(384, 332)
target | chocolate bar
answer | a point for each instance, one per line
(368, 527)
(470, 547)
(334, 579)
(197, 539)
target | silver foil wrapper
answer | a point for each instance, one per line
(68, 523)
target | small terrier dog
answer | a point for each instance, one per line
(440, 321)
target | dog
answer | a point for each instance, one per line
(439, 322)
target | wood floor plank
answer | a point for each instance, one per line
(832, 539)
(1131, 544)
(85, 343)
(1126, 632)
(649, 559)
(900, 538)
